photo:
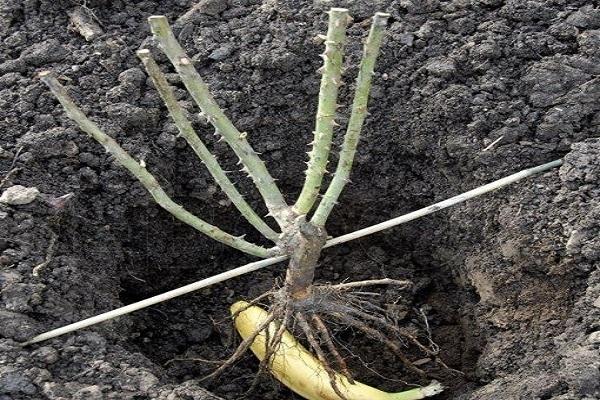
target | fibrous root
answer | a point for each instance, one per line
(343, 305)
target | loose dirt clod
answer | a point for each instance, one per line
(19, 195)
(85, 24)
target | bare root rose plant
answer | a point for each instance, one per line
(301, 234)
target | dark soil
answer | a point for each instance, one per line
(509, 282)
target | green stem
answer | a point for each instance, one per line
(254, 166)
(330, 82)
(146, 178)
(359, 112)
(189, 134)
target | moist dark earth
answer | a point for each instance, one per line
(466, 91)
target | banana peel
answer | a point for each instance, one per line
(294, 366)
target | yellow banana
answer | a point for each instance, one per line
(299, 370)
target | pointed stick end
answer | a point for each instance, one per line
(432, 389)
